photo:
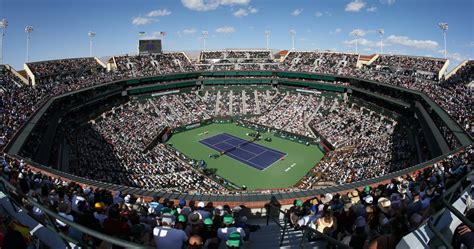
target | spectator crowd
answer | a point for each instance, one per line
(379, 216)
(112, 149)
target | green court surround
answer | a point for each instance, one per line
(283, 173)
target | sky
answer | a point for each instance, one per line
(410, 26)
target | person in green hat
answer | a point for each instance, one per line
(228, 228)
(296, 212)
(298, 203)
(234, 240)
(181, 224)
(208, 222)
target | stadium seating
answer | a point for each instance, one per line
(424, 67)
(388, 210)
(60, 70)
(111, 148)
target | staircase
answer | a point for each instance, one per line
(257, 102)
(269, 237)
(231, 101)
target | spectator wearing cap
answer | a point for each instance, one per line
(202, 211)
(195, 224)
(234, 241)
(406, 196)
(181, 222)
(99, 213)
(308, 217)
(127, 201)
(326, 199)
(209, 234)
(219, 212)
(354, 196)
(228, 228)
(346, 217)
(357, 207)
(296, 212)
(386, 211)
(166, 236)
(182, 208)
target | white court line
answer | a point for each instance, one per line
(255, 155)
(291, 166)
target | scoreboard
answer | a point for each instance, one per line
(149, 46)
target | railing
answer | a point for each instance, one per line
(246, 196)
(306, 230)
(274, 210)
(446, 198)
(51, 224)
(454, 192)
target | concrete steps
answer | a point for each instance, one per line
(269, 237)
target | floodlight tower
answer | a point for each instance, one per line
(3, 26)
(205, 34)
(381, 33)
(357, 34)
(91, 35)
(267, 35)
(444, 27)
(28, 31)
(292, 35)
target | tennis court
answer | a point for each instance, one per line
(298, 161)
(254, 155)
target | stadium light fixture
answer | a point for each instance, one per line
(267, 36)
(357, 33)
(444, 27)
(292, 35)
(205, 34)
(381, 33)
(28, 31)
(91, 39)
(3, 26)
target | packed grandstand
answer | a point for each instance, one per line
(117, 145)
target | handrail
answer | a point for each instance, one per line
(447, 205)
(306, 230)
(309, 231)
(439, 235)
(453, 210)
(243, 196)
(431, 223)
(435, 218)
(81, 228)
(283, 227)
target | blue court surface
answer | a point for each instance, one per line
(252, 154)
